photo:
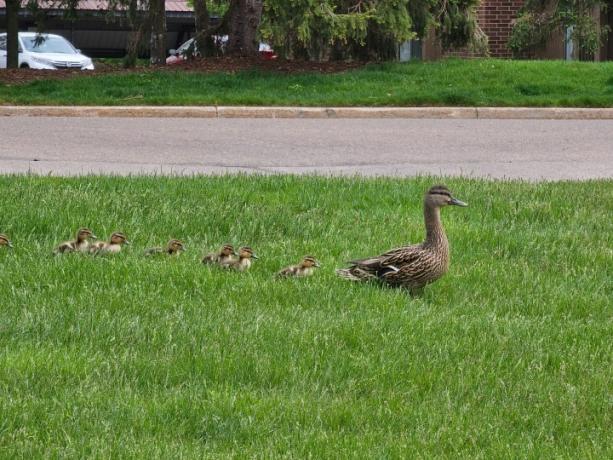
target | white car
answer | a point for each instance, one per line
(46, 51)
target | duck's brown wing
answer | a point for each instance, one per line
(153, 251)
(97, 247)
(210, 258)
(287, 271)
(232, 264)
(67, 246)
(391, 260)
(411, 274)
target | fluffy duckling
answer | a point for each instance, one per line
(305, 268)
(80, 243)
(172, 248)
(114, 244)
(224, 256)
(245, 254)
(4, 241)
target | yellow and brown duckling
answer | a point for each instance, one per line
(4, 241)
(225, 255)
(79, 244)
(417, 265)
(245, 254)
(172, 248)
(305, 268)
(116, 241)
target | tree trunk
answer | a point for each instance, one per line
(201, 14)
(12, 28)
(135, 36)
(157, 43)
(244, 19)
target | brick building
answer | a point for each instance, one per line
(94, 34)
(496, 18)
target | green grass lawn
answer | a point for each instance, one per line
(508, 356)
(485, 82)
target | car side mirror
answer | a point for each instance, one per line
(172, 52)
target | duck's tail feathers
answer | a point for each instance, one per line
(355, 274)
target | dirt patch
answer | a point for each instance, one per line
(210, 65)
(20, 76)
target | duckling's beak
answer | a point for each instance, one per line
(456, 202)
(253, 256)
(317, 264)
(126, 242)
(93, 237)
(9, 244)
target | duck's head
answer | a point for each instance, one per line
(309, 262)
(85, 233)
(228, 250)
(4, 241)
(440, 196)
(175, 246)
(246, 253)
(119, 238)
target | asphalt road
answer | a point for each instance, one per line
(528, 149)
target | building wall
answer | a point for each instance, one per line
(495, 17)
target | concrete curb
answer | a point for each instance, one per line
(498, 113)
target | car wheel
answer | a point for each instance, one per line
(24, 66)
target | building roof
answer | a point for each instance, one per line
(172, 6)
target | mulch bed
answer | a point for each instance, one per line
(209, 65)
(237, 64)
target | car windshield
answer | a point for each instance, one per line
(184, 46)
(48, 44)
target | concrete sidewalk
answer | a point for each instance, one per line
(498, 113)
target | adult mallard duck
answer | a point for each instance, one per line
(173, 247)
(80, 243)
(305, 268)
(4, 241)
(224, 256)
(116, 241)
(245, 254)
(412, 266)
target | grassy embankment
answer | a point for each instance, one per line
(508, 356)
(443, 83)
